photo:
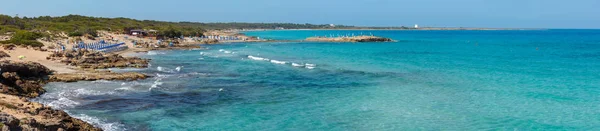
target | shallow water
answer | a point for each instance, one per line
(427, 80)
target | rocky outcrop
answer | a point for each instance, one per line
(97, 60)
(17, 113)
(3, 54)
(9, 46)
(350, 39)
(23, 78)
(98, 75)
(208, 41)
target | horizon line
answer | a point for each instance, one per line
(363, 26)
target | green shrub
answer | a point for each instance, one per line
(25, 38)
(26, 35)
(75, 33)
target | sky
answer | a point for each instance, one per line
(570, 14)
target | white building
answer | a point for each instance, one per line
(416, 26)
(332, 25)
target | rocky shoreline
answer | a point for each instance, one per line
(22, 80)
(95, 60)
(18, 113)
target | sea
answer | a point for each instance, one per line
(424, 80)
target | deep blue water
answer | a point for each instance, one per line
(427, 80)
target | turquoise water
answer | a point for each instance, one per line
(427, 80)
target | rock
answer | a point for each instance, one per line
(3, 54)
(10, 47)
(10, 122)
(25, 69)
(92, 76)
(209, 41)
(37, 118)
(350, 39)
(98, 60)
(23, 78)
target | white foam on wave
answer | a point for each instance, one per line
(278, 62)
(158, 75)
(154, 53)
(257, 58)
(62, 103)
(226, 51)
(297, 65)
(107, 126)
(126, 88)
(102, 81)
(156, 84)
(159, 68)
(167, 70)
(293, 64)
(309, 66)
(178, 69)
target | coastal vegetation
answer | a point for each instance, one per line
(77, 25)
(24, 38)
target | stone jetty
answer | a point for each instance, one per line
(350, 39)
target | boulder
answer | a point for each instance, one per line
(23, 78)
(3, 54)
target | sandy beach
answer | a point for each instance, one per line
(40, 57)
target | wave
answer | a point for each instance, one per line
(154, 53)
(99, 123)
(278, 62)
(62, 103)
(297, 65)
(226, 51)
(257, 58)
(167, 70)
(102, 81)
(306, 65)
(156, 84)
(309, 66)
(126, 88)
(193, 74)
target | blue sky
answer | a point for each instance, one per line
(435, 13)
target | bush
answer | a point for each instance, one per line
(26, 35)
(25, 38)
(75, 33)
